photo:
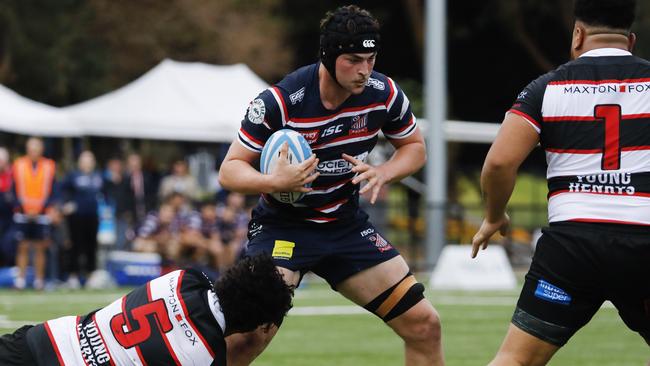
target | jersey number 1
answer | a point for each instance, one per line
(610, 114)
(142, 331)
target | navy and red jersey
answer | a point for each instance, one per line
(172, 320)
(353, 128)
(593, 117)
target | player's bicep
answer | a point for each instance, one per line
(238, 151)
(515, 140)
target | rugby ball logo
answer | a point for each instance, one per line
(299, 151)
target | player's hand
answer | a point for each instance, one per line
(293, 177)
(486, 231)
(366, 172)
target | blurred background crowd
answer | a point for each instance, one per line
(56, 222)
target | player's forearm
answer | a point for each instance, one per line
(406, 160)
(497, 184)
(239, 176)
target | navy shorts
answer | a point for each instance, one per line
(32, 229)
(576, 267)
(333, 252)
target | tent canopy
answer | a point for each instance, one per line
(183, 101)
(174, 101)
(25, 116)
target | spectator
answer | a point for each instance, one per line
(118, 194)
(82, 190)
(232, 227)
(211, 235)
(141, 188)
(179, 181)
(173, 232)
(34, 181)
(6, 204)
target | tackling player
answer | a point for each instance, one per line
(176, 319)
(592, 118)
(340, 105)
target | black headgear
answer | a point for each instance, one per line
(347, 30)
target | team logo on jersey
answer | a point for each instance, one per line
(256, 111)
(283, 249)
(311, 135)
(382, 244)
(297, 96)
(359, 124)
(377, 84)
(522, 95)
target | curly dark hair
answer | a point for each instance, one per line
(253, 293)
(349, 19)
(615, 14)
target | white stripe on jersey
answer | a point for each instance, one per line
(393, 88)
(557, 103)
(405, 108)
(120, 355)
(566, 164)
(335, 117)
(587, 206)
(333, 208)
(243, 136)
(278, 100)
(345, 141)
(408, 131)
(183, 338)
(64, 332)
(326, 191)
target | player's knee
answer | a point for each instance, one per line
(421, 324)
(507, 360)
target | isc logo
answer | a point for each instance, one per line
(331, 130)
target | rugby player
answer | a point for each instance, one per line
(592, 118)
(177, 319)
(340, 105)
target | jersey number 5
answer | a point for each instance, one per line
(610, 114)
(142, 332)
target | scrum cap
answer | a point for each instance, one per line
(349, 29)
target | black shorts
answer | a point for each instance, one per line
(38, 228)
(333, 252)
(14, 350)
(576, 267)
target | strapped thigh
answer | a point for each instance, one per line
(398, 299)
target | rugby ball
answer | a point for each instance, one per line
(299, 151)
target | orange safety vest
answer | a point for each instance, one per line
(33, 185)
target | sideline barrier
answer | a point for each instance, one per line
(456, 270)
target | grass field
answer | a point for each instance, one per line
(326, 329)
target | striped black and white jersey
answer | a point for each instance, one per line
(593, 117)
(172, 320)
(352, 128)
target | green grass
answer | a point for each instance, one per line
(473, 326)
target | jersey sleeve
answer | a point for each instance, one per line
(401, 121)
(529, 102)
(263, 117)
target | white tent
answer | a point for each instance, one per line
(25, 116)
(174, 101)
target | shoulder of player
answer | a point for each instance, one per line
(294, 86)
(380, 87)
